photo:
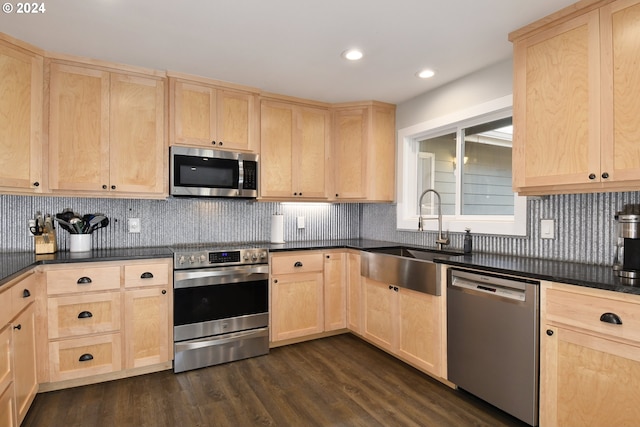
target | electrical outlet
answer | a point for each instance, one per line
(32, 224)
(547, 229)
(134, 225)
(300, 222)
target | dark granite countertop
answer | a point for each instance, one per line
(602, 277)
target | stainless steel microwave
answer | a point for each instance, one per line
(200, 172)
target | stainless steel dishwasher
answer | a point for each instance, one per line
(492, 339)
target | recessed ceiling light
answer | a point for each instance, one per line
(426, 74)
(352, 54)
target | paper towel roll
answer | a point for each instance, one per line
(277, 228)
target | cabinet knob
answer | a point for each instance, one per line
(36, 184)
(390, 287)
(395, 289)
(612, 318)
(146, 275)
(295, 194)
(164, 292)
(220, 143)
(85, 357)
(26, 293)
(605, 175)
(18, 327)
(592, 176)
(549, 332)
(275, 280)
(84, 280)
(337, 194)
(213, 143)
(85, 315)
(113, 187)
(104, 187)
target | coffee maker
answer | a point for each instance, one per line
(626, 263)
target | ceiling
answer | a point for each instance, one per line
(290, 47)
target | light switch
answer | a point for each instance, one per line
(300, 221)
(547, 229)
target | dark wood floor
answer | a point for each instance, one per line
(336, 381)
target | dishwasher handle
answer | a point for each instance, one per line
(489, 289)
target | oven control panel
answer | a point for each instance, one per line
(219, 258)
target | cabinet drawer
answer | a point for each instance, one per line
(584, 311)
(82, 357)
(6, 312)
(83, 280)
(298, 263)
(23, 293)
(146, 274)
(84, 314)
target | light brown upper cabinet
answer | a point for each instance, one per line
(205, 114)
(21, 88)
(106, 132)
(294, 145)
(363, 152)
(575, 104)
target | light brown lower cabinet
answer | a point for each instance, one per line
(354, 292)
(308, 294)
(407, 323)
(106, 320)
(18, 376)
(589, 368)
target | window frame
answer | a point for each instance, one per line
(407, 182)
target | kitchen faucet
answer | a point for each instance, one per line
(440, 241)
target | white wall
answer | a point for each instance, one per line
(482, 86)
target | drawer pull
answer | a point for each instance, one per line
(611, 318)
(85, 357)
(297, 264)
(26, 293)
(84, 280)
(146, 275)
(18, 327)
(85, 315)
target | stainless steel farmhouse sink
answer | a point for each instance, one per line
(405, 267)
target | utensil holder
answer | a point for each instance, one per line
(79, 242)
(46, 243)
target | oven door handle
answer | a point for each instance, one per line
(219, 276)
(222, 339)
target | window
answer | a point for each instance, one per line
(466, 158)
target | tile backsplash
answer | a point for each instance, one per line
(177, 221)
(585, 224)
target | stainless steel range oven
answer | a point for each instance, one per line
(220, 306)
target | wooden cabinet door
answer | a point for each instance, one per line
(310, 151)
(21, 91)
(6, 372)
(620, 87)
(24, 361)
(148, 327)
(381, 155)
(138, 155)
(236, 120)
(557, 105)
(354, 292)
(297, 307)
(335, 291)
(379, 311)
(349, 153)
(276, 148)
(194, 114)
(7, 411)
(586, 380)
(79, 129)
(420, 337)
